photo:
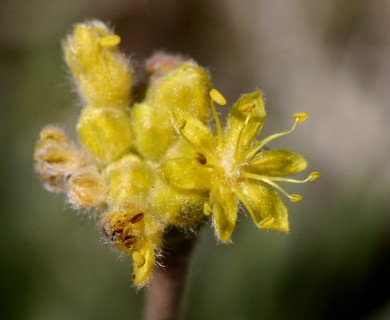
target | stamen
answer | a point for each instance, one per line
(217, 97)
(138, 259)
(129, 240)
(265, 141)
(179, 125)
(200, 158)
(292, 197)
(207, 209)
(127, 229)
(312, 177)
(238, 144)
(136, 218)
(246, 204)
(110, 41)
(247, 107)
(266, 222)
(300, 116)
(296, 197)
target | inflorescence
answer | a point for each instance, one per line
(146, 166)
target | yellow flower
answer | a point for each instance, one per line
(136, 233)
(103, 78)
(102, 74)
(234, 166)
(65, 168)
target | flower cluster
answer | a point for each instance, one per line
(151, 164)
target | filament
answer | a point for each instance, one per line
(218, 98)
(292, 197)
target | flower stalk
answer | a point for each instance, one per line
(166, 291)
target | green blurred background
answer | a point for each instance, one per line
(329, 58)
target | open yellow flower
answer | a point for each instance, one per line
(234, 166)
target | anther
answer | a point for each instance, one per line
(217, 97)
(138, 259)
(136, 218)
(200, 158)
(266, 222)
(129, 241)
(300, 116)
(314, 176)
(110, 41)
(207, 209)
(247, 107)
(296, 198)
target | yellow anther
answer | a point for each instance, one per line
(217, 97)
(110, 41)
(300, 116)
(207, 209)
(296, 198)
(266, 222)
(314, 176)
(138, 259)
(247, 107)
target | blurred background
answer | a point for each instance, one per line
(328, 58)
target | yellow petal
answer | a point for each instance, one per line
(252, 105)
(224, 213)
(265, 206)
(105, 132)
(277, 163)
(186, 174)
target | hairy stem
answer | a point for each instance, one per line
(166, 291)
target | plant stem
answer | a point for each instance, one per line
(166, 291)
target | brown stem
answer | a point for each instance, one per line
(165, 296)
